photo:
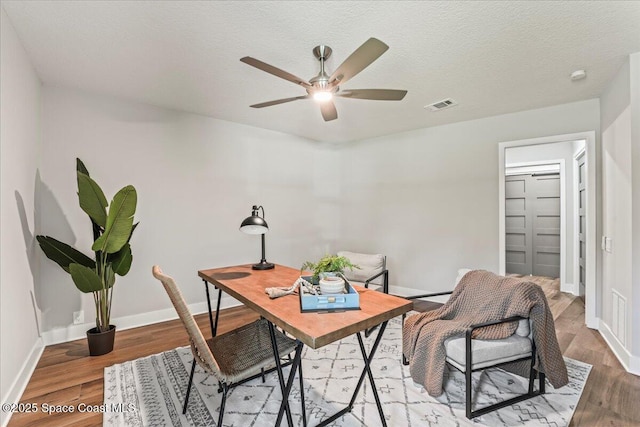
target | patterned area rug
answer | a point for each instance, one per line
(150, 392)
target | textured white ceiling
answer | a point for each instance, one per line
(491, 57)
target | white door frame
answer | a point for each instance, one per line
(565, 285)
(591, 290)
(576, 216)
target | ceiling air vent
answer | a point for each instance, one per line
(441, 105)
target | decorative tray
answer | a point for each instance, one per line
(309, 302)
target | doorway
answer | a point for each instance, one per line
(533, 221)
(570, 272)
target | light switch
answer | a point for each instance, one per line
(608, 244)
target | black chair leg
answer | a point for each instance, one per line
(262, 374)
(531, 392)
(405, 361)
(186, 398)
(532, 377)
(468, 388)
(225, 389)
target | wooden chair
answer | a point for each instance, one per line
(232, 358)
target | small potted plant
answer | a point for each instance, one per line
(328, 265)
(112, 226)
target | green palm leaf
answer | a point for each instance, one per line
(85, 278)
(80, 167)
(92, 199)
(121, 260)
(119, 221)
(63, 254)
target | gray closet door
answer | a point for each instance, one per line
(546, 225)
(532, 224)
(582, 223)
(518, 230)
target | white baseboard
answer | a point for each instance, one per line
(634, 365)
(630, 362)
(592, 323)
(570, 288)
(22, 379)
(76, 332)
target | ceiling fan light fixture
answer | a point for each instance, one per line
(322, 95)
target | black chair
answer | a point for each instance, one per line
(468, 355)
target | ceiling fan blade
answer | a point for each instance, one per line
(274, 70)
(375, 94)
(329, 111)
(278, 101)
(360, 59)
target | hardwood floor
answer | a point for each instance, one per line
(67, 375)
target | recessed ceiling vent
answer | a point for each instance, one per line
(441, 105)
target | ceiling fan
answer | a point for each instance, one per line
(324, 87)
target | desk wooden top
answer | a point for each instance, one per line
(313, 329)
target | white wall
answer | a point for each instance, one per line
(555, 151)
(621, 220)
(425, 198)
(428, 198)
(196, 178)
(19, 145)
(616, 167)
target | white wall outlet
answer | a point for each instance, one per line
(78, 317)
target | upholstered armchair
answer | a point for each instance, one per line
(372, 273)
(514, 330)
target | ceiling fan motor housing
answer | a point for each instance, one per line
(321, 81)
(322, 52)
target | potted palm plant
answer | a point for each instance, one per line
(112, 226)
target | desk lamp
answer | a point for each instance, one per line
(255, 224)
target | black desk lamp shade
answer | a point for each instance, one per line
(255, 224)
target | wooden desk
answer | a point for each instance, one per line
(313, 329)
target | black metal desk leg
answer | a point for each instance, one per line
(284, 406)
(214, 325)
(206, 288)
(367, 368)
(365, 371)
(304, 411)
(296, 365)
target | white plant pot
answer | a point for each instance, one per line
(331, 285)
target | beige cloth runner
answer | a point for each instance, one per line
(481, 297)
